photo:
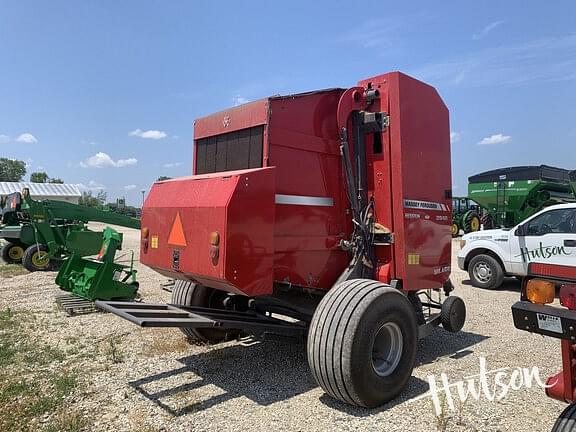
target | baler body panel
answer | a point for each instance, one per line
(412, 180)
(180, 216)
(295, 221)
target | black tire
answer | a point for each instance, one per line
(453, 314)
(30, 259)
(341, 342)
(187, 293)
(485, 272)
(12, 253)
(487, 221)
(567, 420)
(471, 222)
(455, 229)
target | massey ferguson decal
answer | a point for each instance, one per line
(425, 205)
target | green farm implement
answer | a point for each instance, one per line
(100, 278)
(465, 216)
(510, 195)
(40, 234)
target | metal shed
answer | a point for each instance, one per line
(53, 191)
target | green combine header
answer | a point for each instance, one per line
(510, 195)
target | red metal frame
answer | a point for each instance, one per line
(301, 143)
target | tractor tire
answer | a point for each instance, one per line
(567, 420)
(455, 229)
(471, 222)
(487, 221)
(485, 272)
(12, 253)
(33, 258)
(187, 293)
(362, 342)
(453, 314)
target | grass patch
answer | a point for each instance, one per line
(26, 390)
(11, 270)
(113, 349)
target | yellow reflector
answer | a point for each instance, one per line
(215, 238)
(540, 291)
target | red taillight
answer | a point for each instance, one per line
(568, 296)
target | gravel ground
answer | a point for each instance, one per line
(153, 380)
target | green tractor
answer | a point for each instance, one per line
(510, 195)
(40, 234)
(465, 216)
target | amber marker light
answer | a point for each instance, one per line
(540, 291)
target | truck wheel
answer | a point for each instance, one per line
(567, 420)
(453, 314)
(362, 342)
(36, 258)
(12, 253)
(485, 272)
(455, 229)
(471, 223)
(187, 293)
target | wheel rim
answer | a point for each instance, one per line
(482, 272)
(40, 259)
(454, 229)
(475, 224)
(387, 349)
(15, 253)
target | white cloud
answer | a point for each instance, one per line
(495, 139)
(172, 164)
(91, 186)
(130, 187)
(103, 160)
(150, 134)
(455, 137)
(373, 33)
(4, 139)
(239, 100)
(486, 30)
(26, 138)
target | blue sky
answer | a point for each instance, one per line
(104, 93)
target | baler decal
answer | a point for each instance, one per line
(304, 200)
(177, 237)
(425, 205)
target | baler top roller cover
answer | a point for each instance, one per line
(319, 207)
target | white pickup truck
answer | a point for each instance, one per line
(548, 236)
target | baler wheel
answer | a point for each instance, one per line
(362, 342)
(453, 314)
(471, 222)
(12, 253)
(567, 420)
(187, 293)
(36, 258)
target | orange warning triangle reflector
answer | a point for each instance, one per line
(177, 237)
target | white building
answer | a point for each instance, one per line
(41, 191)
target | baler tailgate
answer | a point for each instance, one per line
(167, 315)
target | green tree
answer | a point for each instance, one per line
(89, 200)
(38, 177)
(56, 180)
(12, 170)
(162, 178)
